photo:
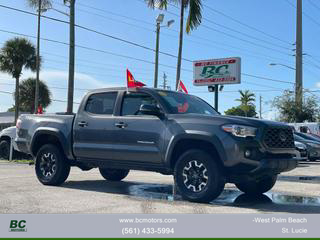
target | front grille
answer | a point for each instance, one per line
(279, 137)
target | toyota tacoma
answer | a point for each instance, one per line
(120, 129)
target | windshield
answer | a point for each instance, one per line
(180, 103)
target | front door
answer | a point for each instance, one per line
(140, 138)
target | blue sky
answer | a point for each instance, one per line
(267, 38)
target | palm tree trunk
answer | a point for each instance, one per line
(71, 58)
(180, 44)
(36, 95)
(17, 96)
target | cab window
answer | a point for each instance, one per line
(132, 101)
(101, 103)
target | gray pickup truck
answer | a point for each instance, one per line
(119, 129)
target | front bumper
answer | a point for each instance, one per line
(275, 166)
(266, 167)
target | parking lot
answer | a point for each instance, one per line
(297, 191)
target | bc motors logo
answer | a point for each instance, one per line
(18, 226)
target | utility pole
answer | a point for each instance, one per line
(164, 81)
(36, 95)
(71, 58)
(260, 110)
(155, 83)
(298, 90)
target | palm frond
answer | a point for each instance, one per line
(45, 4)
(195, 16)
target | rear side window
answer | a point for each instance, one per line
(101, 103)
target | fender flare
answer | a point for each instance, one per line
(195, 135)
(50, 131)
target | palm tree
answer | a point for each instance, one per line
(40, 6)
(27, 89)
(17, 54)
(247, 99)
(44, 5)
(193, 21)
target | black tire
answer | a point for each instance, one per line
(256, 187)
(113, 174)
(5, 149)
(51, 165)
(198, 176)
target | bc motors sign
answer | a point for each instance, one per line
(217, 71)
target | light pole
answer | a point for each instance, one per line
(36, 97)
(159, 20)
(299, 87)
(280, 64)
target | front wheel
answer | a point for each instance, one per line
(198, 176)
(113, 174)
(256, 187)
(51, 165)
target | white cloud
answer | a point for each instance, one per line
(57, 82)
(318, 84)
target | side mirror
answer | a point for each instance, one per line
(149, 109)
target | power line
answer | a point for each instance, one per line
(142, 60)
(135, 44)
(314, 5)
(306, 15)
(244, 24)
(199, 43)
(94, 49)
(233, 30)
(95, 31)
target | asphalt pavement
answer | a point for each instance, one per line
(297, 191)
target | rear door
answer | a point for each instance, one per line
(94, 129)
(140, 138)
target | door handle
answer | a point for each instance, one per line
(121, 125)
(82, 124)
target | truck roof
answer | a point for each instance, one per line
(98, 90)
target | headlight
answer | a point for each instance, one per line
(240, 130)
(314, 145)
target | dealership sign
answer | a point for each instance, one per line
(217, 71)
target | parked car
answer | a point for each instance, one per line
(313, 147)
(5, 141)
(308, 136)
(301, 151)
(311, 128)
(119, 129)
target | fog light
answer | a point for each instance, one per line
(247, 153)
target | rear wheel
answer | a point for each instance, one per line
(198, 176)
(256, 187)
(113, 174)
(51, 165)
(5, 149)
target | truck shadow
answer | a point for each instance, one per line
(269, 202)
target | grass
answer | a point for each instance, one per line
(26, 161)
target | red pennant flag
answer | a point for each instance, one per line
(131, 82)
(182, 88)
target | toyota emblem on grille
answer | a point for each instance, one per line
(282, 136)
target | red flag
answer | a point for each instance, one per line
(182, 88)
(40, 110)
(131, 82)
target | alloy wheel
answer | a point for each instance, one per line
(195, 176)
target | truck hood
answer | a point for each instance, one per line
(223, 119)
